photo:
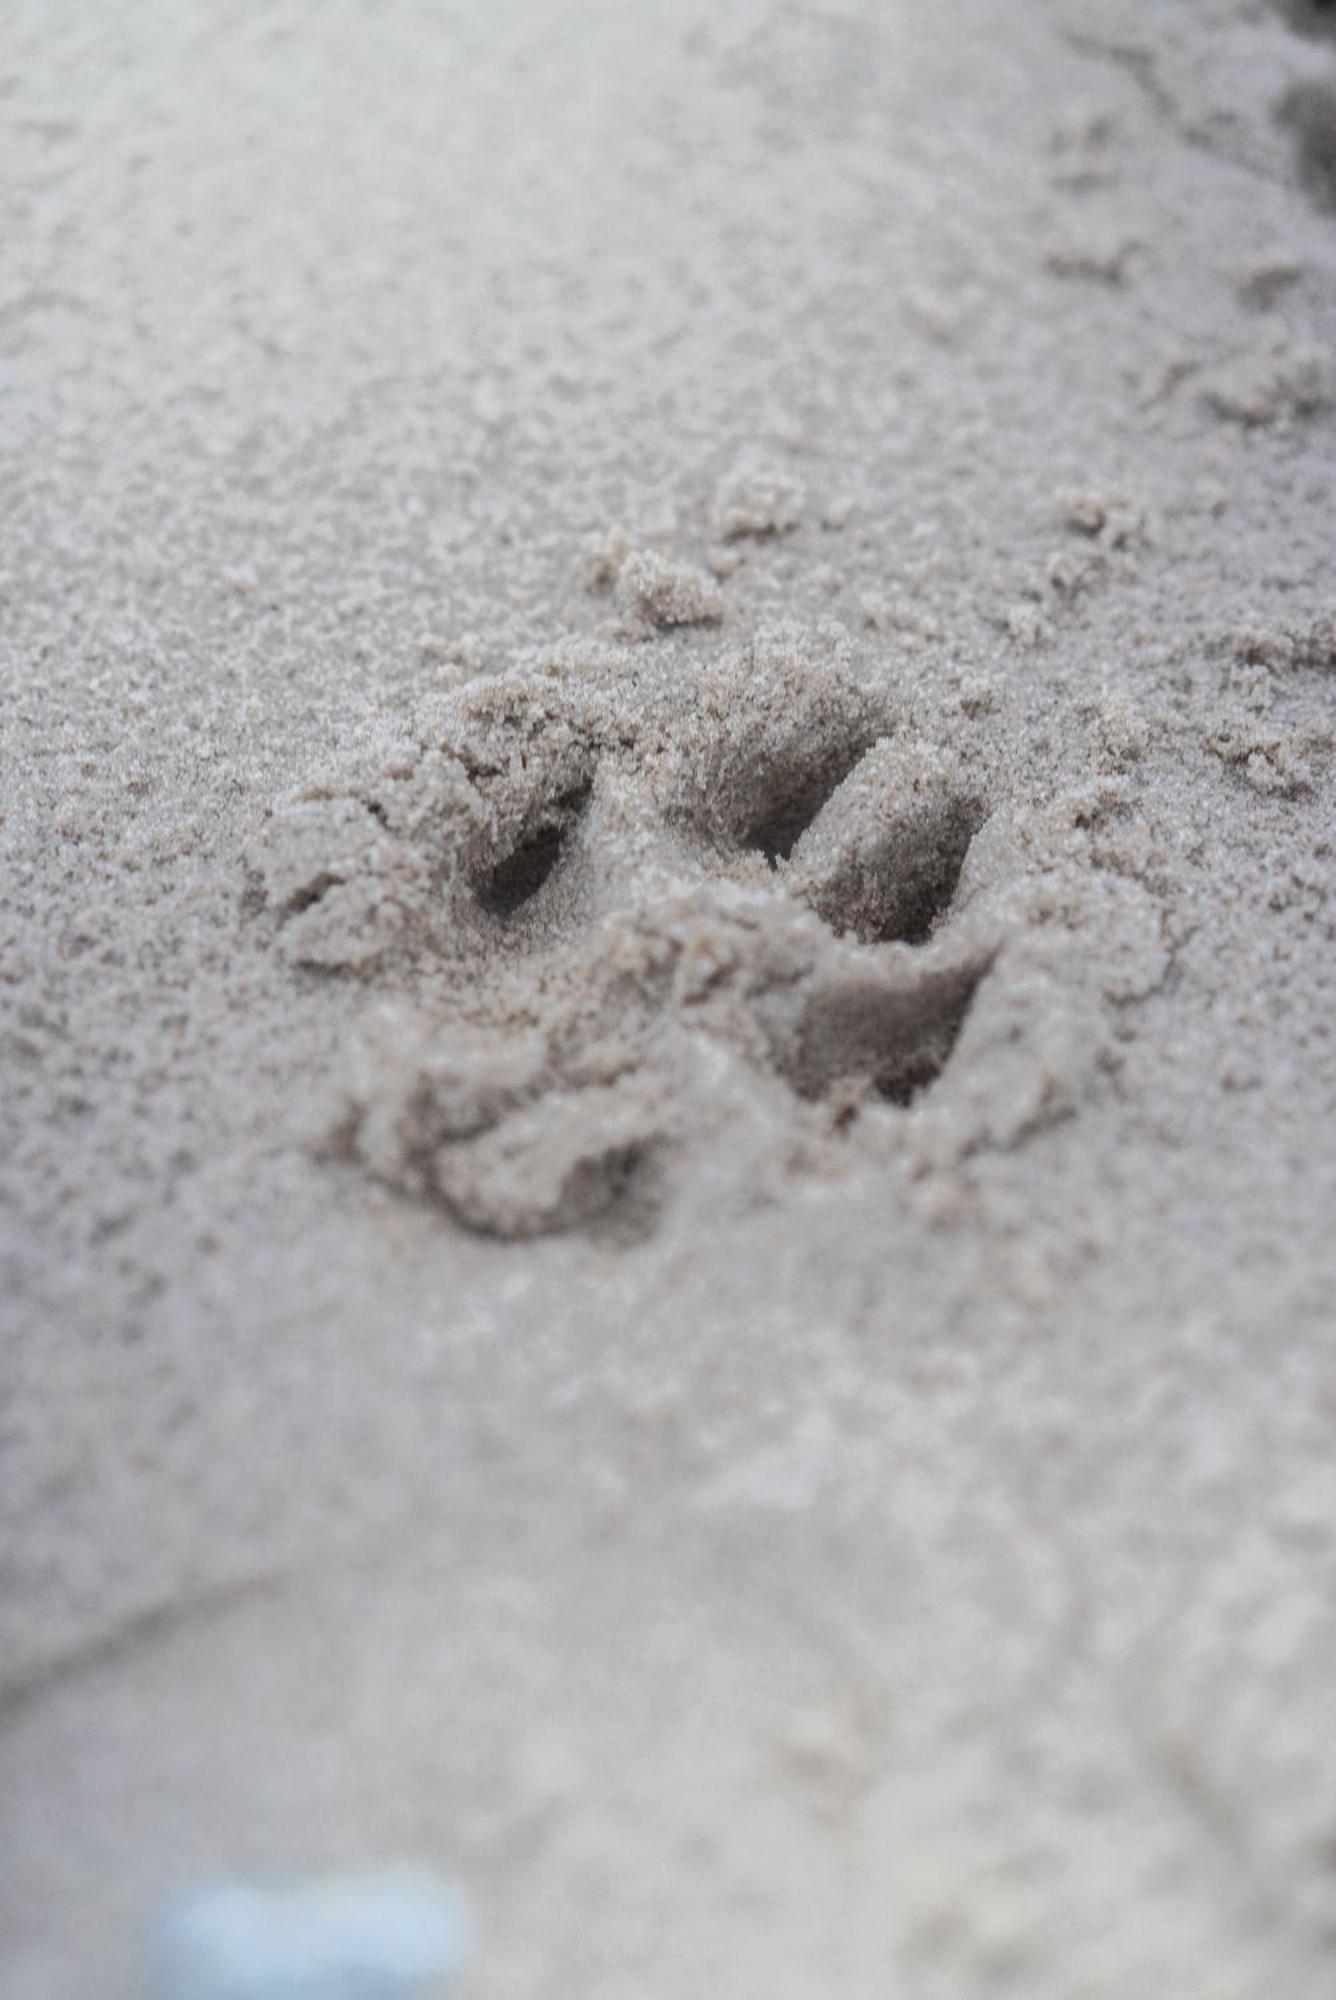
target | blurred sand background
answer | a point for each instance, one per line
(898, 1570)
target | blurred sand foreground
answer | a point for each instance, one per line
(667, 985)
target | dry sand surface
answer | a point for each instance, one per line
(667, 998)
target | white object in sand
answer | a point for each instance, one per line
(396, 1935)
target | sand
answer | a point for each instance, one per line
(668, 977)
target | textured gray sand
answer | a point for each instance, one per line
(668, 975)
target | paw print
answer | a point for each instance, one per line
(616, 907)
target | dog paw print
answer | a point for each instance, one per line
(614, 908)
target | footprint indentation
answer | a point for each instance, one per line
(892, 1033)
(791, 795)
(515, 880)
(884, 863)
(549, 1089)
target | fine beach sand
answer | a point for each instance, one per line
(668, 992)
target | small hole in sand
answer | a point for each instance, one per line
(902, 1085)
(514, 882)
(1310, 112)
(927, 891)
(899, 890)
(904, 1076)
(631, 1194)
(891, 1040)
(792, 795)
(1310, 17)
